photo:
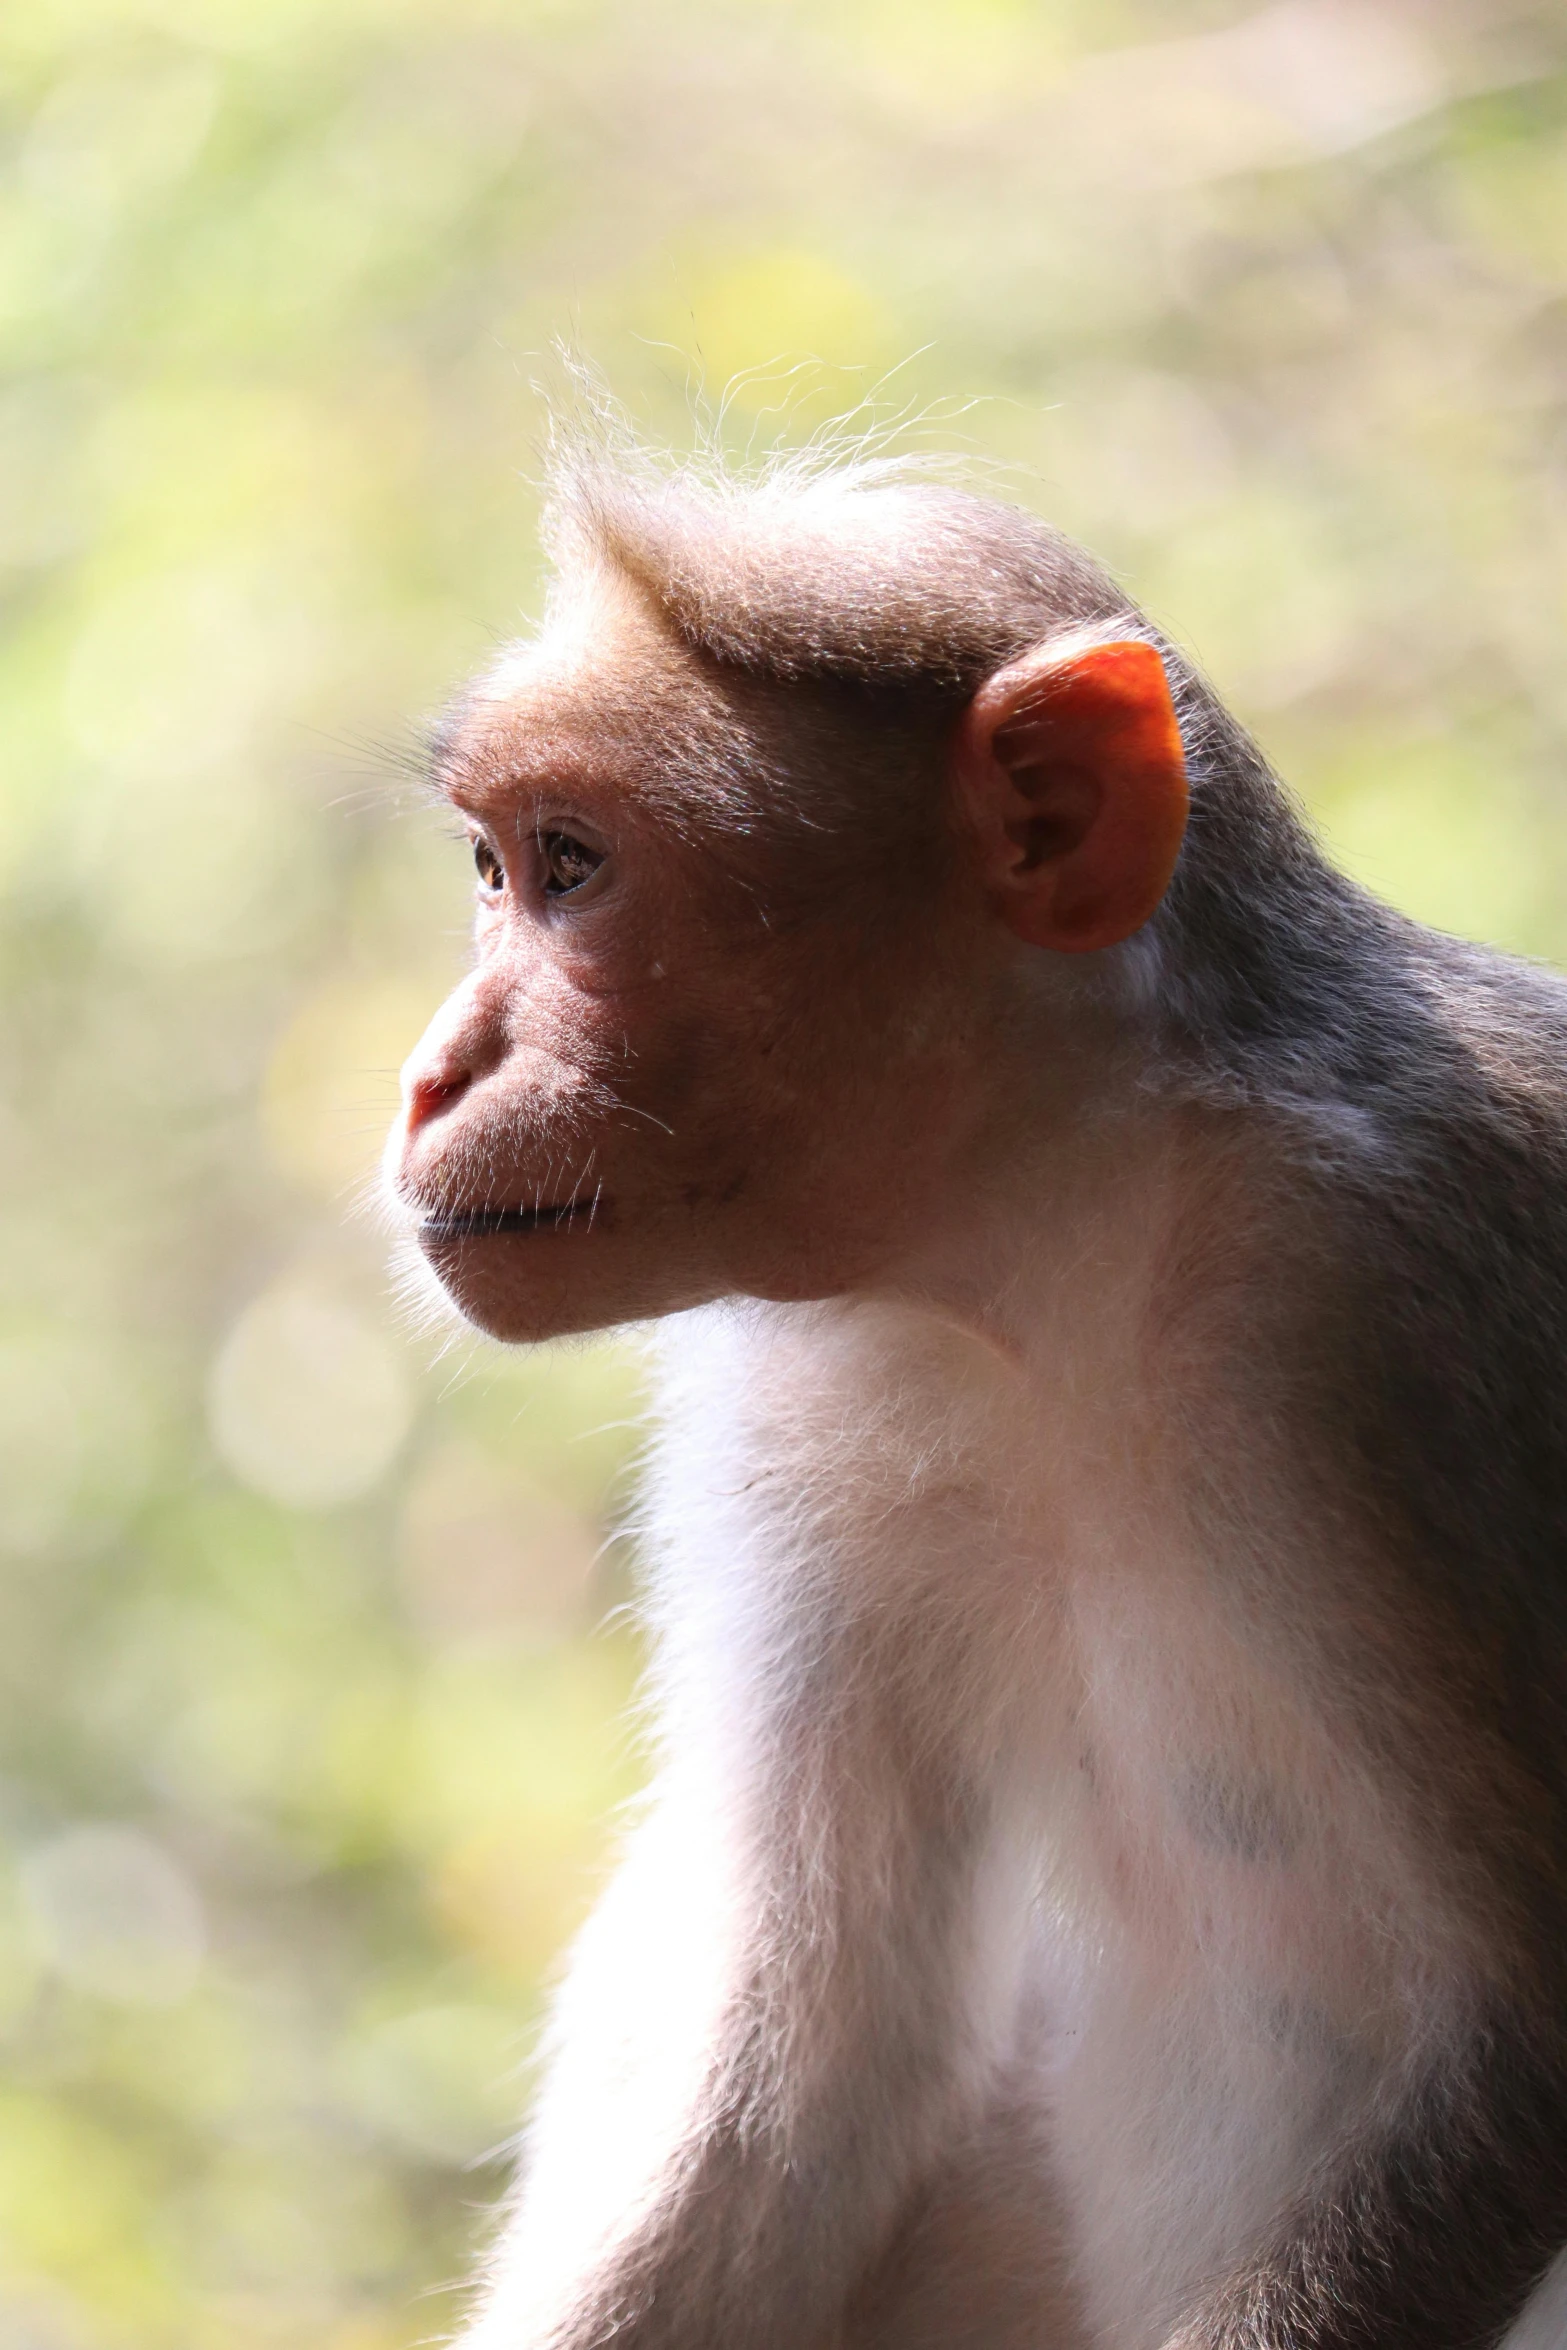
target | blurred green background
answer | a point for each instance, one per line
(311, 1726)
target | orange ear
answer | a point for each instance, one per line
(1071, 777)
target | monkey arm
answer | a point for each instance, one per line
(1432, 2234)
(762, 2043)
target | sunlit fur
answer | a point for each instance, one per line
(1103, 1883)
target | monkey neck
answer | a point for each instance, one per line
(1091, 1194)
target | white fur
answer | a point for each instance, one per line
(978, 1747)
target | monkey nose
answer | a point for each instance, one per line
(426, 1092)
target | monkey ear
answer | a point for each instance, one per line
(1070, 776)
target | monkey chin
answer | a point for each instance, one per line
(523, 1286)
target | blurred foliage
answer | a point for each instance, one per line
(312, 1732)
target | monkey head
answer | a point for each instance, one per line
(745, 952)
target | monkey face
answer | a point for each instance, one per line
(650, 1091)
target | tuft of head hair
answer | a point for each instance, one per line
(837, 562)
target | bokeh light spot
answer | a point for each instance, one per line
(308, 1404)
(114, 1915)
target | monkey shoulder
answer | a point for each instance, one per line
(1420, 1083)
(1436, 1155)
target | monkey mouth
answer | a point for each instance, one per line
(487, 1223)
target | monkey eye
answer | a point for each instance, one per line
(491, 871)
(568, 863)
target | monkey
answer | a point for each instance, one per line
(1104, 1879)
